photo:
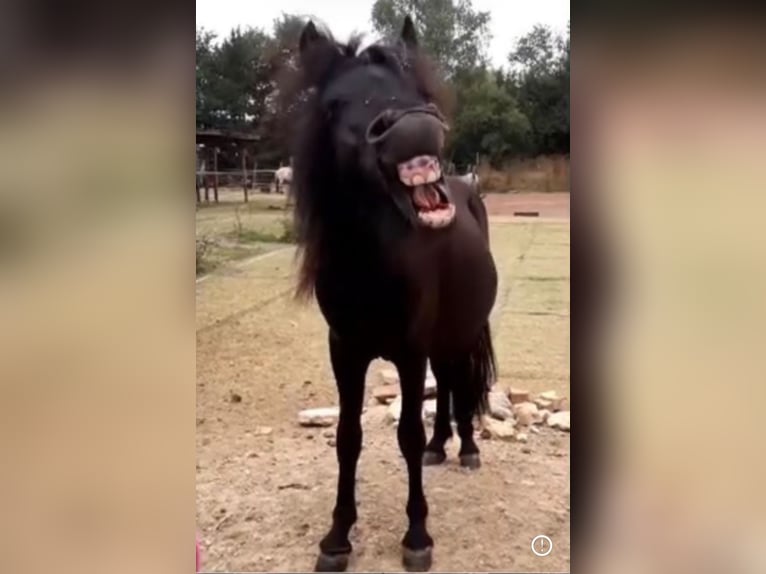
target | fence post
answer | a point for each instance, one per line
(215, 173)
(244, 173)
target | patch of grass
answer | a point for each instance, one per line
(250, 235)
(202, 263)
(233, 231)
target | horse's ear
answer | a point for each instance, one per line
(409, 35)
(309, 37)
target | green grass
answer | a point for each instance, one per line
(231, 231)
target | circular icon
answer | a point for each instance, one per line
(542, 545)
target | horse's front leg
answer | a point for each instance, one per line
(417, 543)
(349, 365)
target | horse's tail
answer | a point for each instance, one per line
(482, 371)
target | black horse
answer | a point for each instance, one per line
(397, 256)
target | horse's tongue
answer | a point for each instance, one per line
(426, 196)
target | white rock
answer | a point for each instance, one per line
(551, 401)
(389, 376)
(521, 437)
(526, 414)
(429, 410)
(543, 404)
(394, 410)
(321, 417)
(559, 421)
(495, 429)
(500, 406)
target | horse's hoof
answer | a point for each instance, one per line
(470, 461)
(331, 562)
(431, 457)
(416, 560)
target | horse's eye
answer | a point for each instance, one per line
(332, 109)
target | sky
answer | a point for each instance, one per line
(511, 19)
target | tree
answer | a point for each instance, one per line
(540, 64)
(282, 58)
(451, 31)
(233, 79)
(488, 121)
(205, 76)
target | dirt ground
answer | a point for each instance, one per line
(266, 486)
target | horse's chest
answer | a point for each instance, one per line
(381, 299)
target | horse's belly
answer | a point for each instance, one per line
(466, 297)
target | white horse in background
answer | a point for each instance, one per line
(471, 178)
(284, 175)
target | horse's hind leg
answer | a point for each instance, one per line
(455, 374)
(464, 413)
(435, 453)
(349, 366)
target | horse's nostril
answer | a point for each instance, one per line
(380, 125)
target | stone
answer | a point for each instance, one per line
(429, 410)
(263, 431)
(495, 429)
(559, 421)
(500, 406)
(389, 376)
(518, 396)
(320, 417)
(521, 437)
(329, 433)
(553, 401)
(235, 397)
(384, 394)
(526, 414)
(394, 410)
(331, 442)
(544, 414)
(543, 404)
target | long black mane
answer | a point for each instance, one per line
(315, 179)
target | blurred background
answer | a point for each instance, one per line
(96, 304)
(671, 115)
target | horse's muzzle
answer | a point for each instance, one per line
(403, 134)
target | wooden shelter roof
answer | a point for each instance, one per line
(212, 136)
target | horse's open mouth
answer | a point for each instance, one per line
(423, 176)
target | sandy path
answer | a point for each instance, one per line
(264, 500)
